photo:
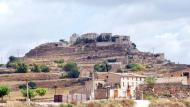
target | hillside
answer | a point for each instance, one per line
(91, 48)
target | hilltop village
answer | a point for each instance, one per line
(98, 66)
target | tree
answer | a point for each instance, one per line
(13, 62)
(41, 91)
(134, 46)
(22, 68)
(102, 67)
(4, 90)
(31, 85)
(73, 74)
(44, 68)
(150, 81)
(31, 93)
(70, 66)
(36, 68)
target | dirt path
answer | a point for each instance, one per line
(142, 103)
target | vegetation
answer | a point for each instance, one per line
(135, 67)
(4, 90)
(71, 70)
(70, 66)
(102, 67)
(31, 85)
(150, 81)
(31, 93)
(134, 46)
(41, 91)
(170, 103)
(13, 62)
(61, 61)
(44, 68)
(21, 68)
(1, 65)
(106, 103)
(36, 68)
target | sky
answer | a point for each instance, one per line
(159, 25)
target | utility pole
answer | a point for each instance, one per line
(27, 92)
(93, 87)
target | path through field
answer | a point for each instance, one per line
(142, 103)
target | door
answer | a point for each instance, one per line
(115, 93)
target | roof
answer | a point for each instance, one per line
(129, 75)
(182, 80)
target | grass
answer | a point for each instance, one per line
(105, 103)
(170, 103)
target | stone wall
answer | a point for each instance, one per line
(160, 90)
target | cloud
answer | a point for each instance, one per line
(163, 25)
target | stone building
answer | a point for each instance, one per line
(181, 73)
(90, 36)
(73, 38)
(122, 85)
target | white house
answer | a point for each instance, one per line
(128, 82)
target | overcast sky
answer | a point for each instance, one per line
(162, 25)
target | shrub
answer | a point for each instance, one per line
(32, 85)
(70, 66)
(135, 67)
(41, 91)
(65, 105)
(73, 74)
(102, 67)
(22, 86)
(61, 61)
(44, 68)
(150, 81)
(22, 68)
(36, 68)
(4, 90)
(31, 93)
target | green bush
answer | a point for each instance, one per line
(73, 74)
(41, 91)
(31, 93)
(102, 67)
(4, 90)
(70, 66)
(135, 67)
(65, 105)
(22, 68)
(61, 61)
(44, 68)
(36, 68)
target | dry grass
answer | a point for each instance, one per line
(109, 103)
(170, 103)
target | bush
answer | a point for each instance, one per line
(44, 68)
(22, 86)
(65, 105)
(150, 81)
(73, 74)
(36, 68)
(135, 67)
(61, 61)
(41, 91)
(31, 93)
(70, 67)
(102, 67)
(32, 85)
(22, 68)
(4, 90)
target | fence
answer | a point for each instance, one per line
(70, 98)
